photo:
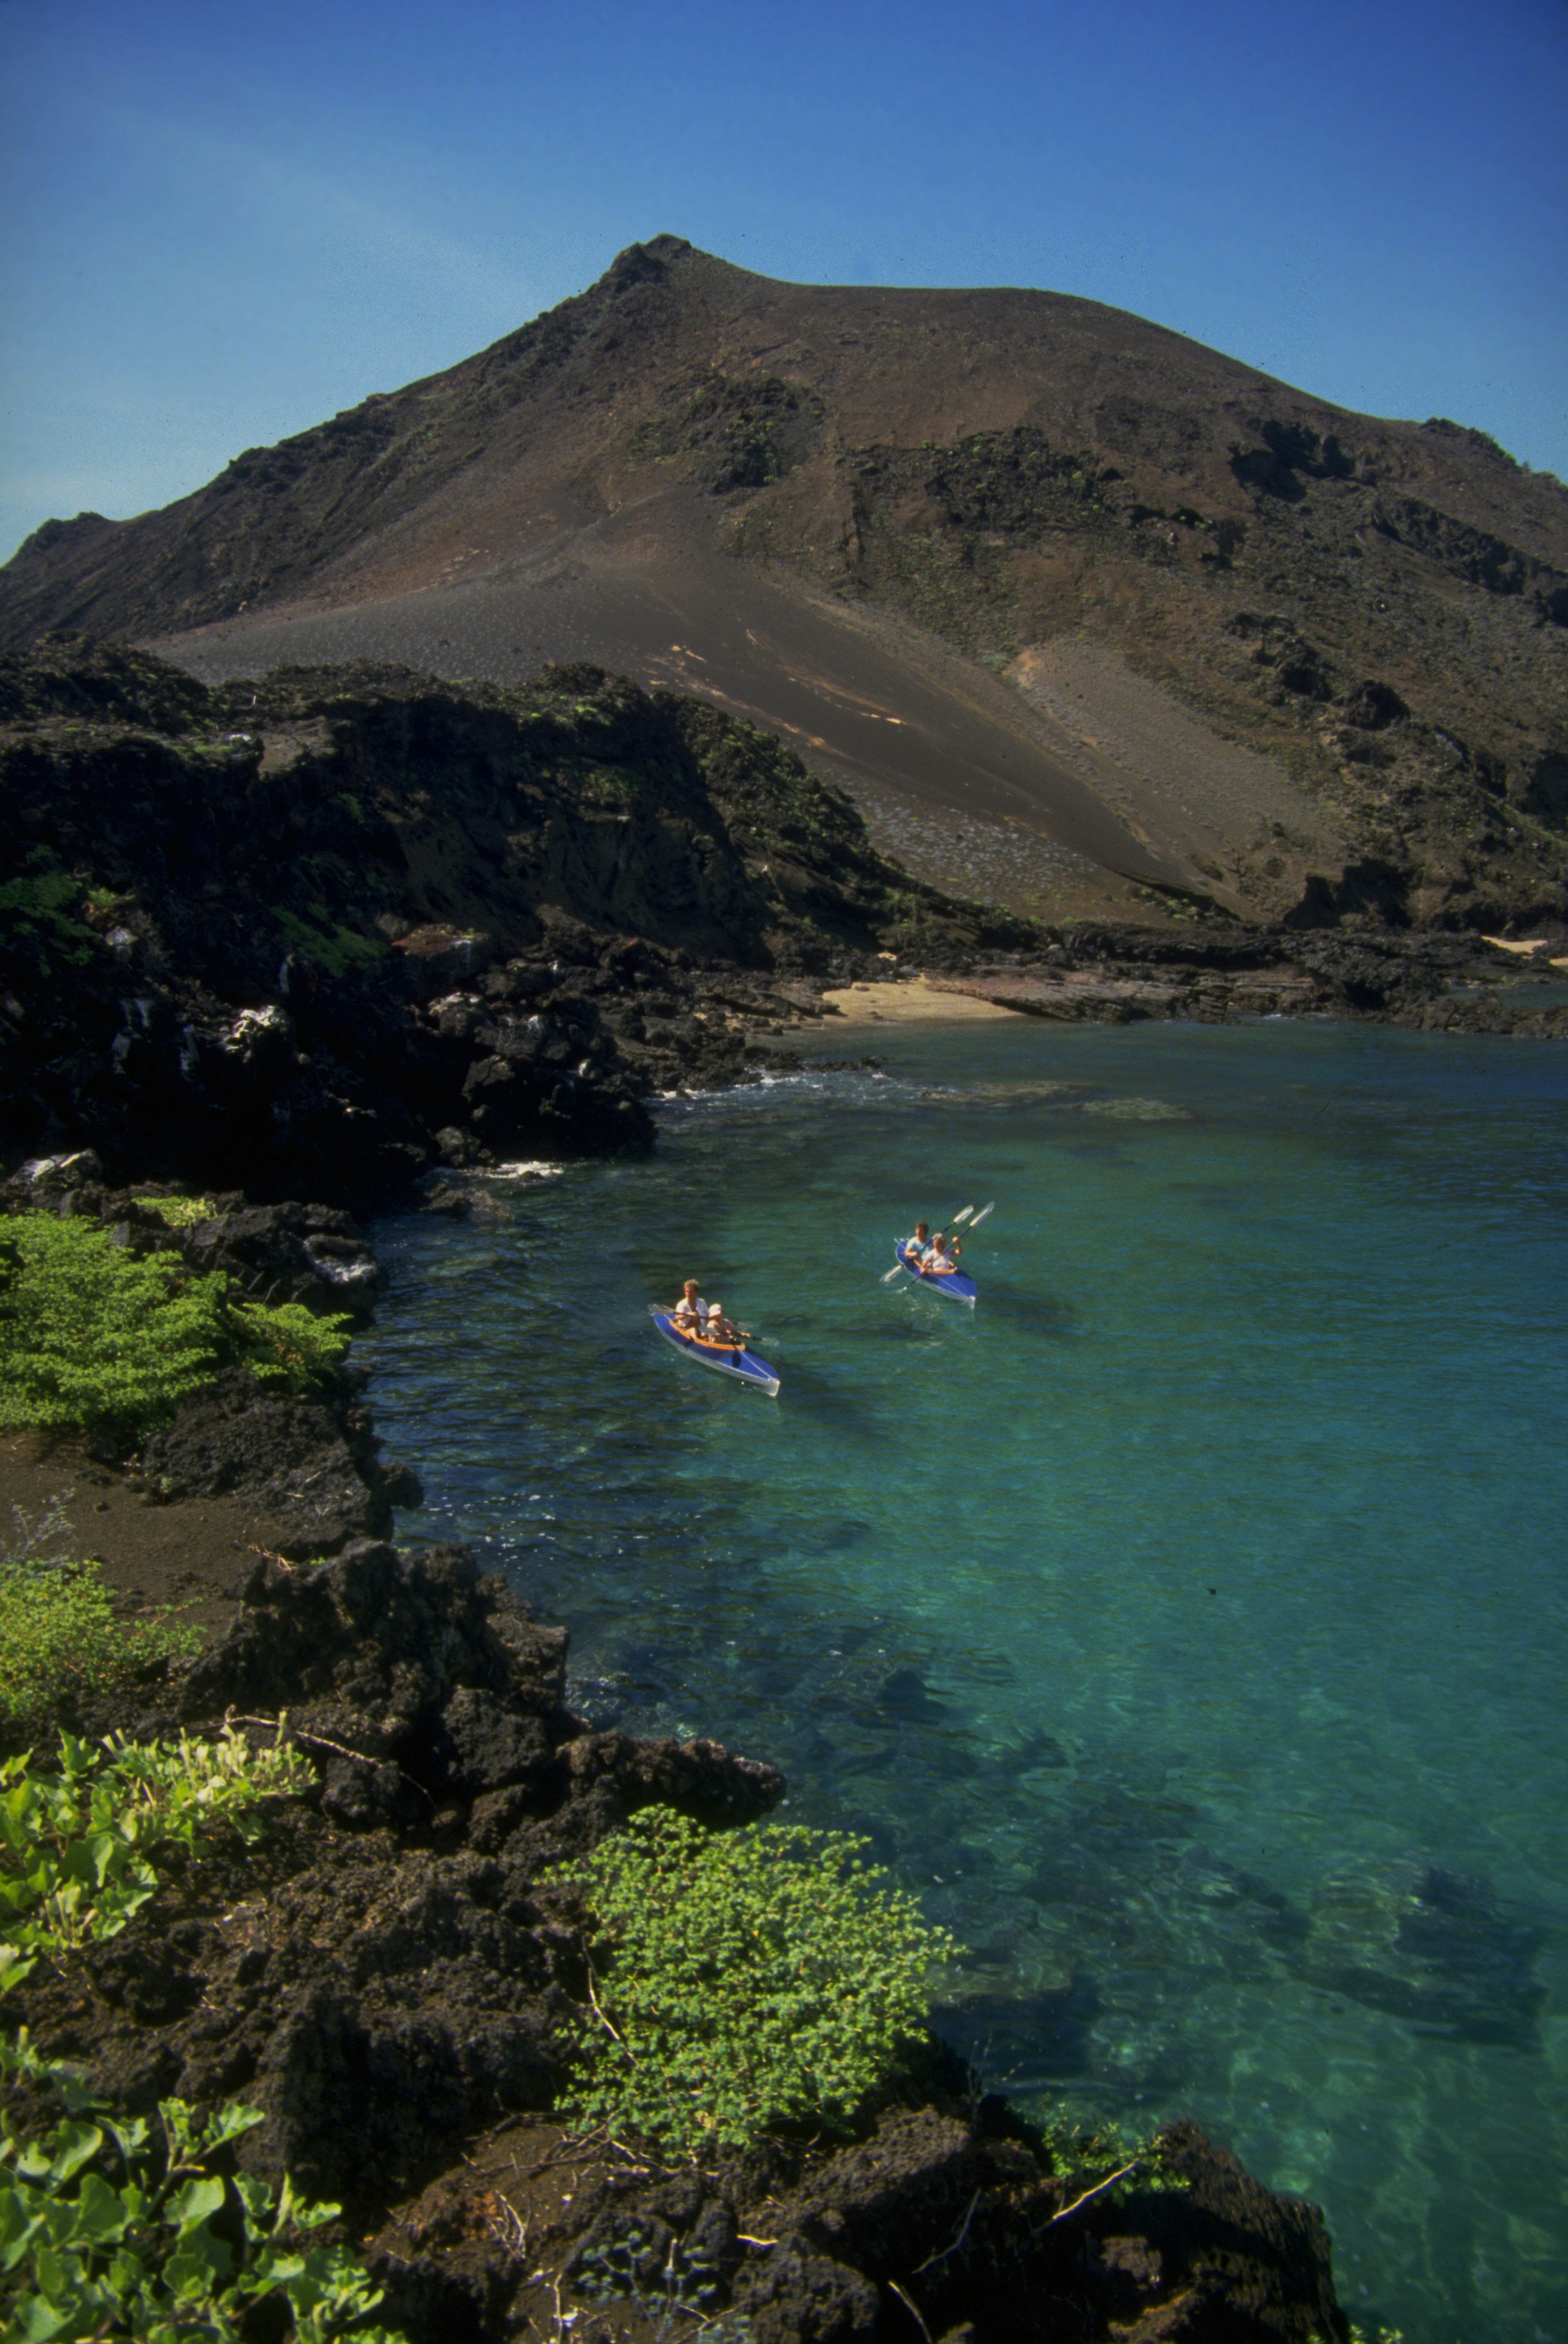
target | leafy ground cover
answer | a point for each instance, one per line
(111, 2228)
(93, 1335)
(744, 1980)
(77, 1842)
(181, 1212)
(60, 1634)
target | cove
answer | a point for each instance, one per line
(1187, 1625)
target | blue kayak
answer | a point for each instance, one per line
(950, 1282)
(743, 1366)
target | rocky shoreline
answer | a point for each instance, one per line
(391, 1974)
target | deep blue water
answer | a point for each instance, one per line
(1189, 1624)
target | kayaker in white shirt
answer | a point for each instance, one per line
(939, 1258)
(691, 1313)
(722, 1329)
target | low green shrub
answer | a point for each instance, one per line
(1094, 2160)
(76, 1843)
(109, 2229)
(92, 1335)
(39, 917)
(282, 1342)
(59, 1634)
(742, 1980)
(181, 1212)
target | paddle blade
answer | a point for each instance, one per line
(893, 1273)
(981, 1215)
(959, 1219)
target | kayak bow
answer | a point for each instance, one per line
(950, 1282)
(728, 1358)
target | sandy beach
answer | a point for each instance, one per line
(916, 1000)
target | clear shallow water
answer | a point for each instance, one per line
(1189, 1624)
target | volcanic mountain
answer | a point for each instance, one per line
(1083, 613)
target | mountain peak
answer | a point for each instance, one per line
(786, 496)
(643, 264)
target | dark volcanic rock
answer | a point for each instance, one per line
(305, 1461)
(421, 1661)
(798, 2296)
(1444, 981)
(291, 1253)
(371, 1648)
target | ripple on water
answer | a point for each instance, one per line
(1186, 1624)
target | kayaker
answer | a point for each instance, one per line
(940, 1258)
(919, 1245)
(691, 1314)
(722, 1331)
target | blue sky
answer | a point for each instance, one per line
(225, 223)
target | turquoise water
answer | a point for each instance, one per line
(1188, 1624)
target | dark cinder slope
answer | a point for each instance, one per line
(1000, 554)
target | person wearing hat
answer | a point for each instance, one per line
(720, 1331)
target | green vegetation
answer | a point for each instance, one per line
(77, 1841)
(282, 1342)
(59, 1634)
(107, 2231)
(91, 1335)
(35, 920)
(181, 1212)
(1101, 2160)
(333, 948)
(111, 2230)
(742, 1980)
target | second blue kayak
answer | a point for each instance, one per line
(950, 1282)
